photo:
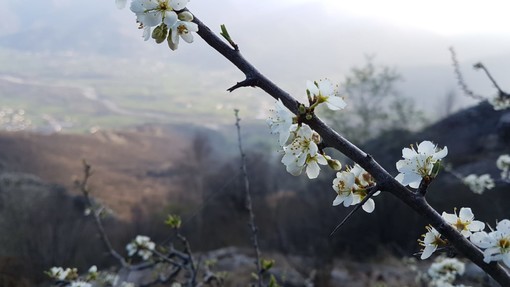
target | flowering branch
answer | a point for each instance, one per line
(384, 180)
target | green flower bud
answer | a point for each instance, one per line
(302, 109)
(159, 33)
(334, 164)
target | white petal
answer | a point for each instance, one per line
(369, 206)
(146, 33)
(476, 225)
(310, 86)
(440, 154)
(312, 170)
(335, 103)
(506, 259)
(338, 200)
(429, 249)
(178, 4)
(465, 214)
(408, 153)
(170, 18)
(187, 37)
(326, 88)
(450, 218)
(427, 148)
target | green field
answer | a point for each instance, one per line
(125, 92)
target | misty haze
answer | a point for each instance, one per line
(80, 89)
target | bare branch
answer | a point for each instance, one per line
(96, 213)
(249, 207)
(460, 78)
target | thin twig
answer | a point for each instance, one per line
(191, 262)
(384, 180)
(482, 66)
(83, 186)
(460, 79)
(249, 207)
(372, 191)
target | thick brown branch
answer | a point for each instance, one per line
(384, 180)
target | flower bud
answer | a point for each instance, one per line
(334, 164)
(159, 33)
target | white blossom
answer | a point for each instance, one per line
(280, 122)
(419, 163)
(430, 242)
(301, 151)
(182, 29)
(80, 284)
(59, 273)
(495, 243)
(500, 103)
(444, 271)
(503, 163)
(464, 222)
(478, 184)
(351, 187)
(151, 13)
(325, 93)
(142, 245)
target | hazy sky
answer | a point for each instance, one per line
(292, 41)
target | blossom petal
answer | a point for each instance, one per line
(465, 214)
(335, 103)
(310, 86)
(178, 4)
(427, 251)
(369, 206)
(312, 170)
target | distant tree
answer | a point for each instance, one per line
(375, 105)
(447, 104)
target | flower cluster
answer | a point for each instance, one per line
(444, 271)
(69, 277)
(503, 163)
(500, 102)
(419, 164)
(478, 184)
(352, 186)
(298, 141)
(163, 20)
(61, 274)
(496, 244)
(142, 245)
(324, 92)
(463, 222)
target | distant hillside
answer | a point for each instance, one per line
(121, 160)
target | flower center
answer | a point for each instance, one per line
(504, 244)
(460, 225)
(182, 29)
(163, 6)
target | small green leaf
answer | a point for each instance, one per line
(174, 221)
